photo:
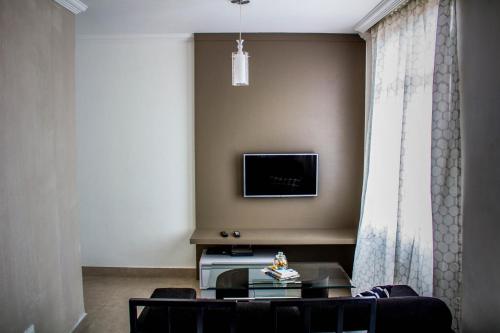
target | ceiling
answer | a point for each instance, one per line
(188, 16)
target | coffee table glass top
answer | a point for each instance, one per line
(313, 275)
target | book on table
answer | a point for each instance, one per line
(281, 274)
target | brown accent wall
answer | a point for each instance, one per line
(306, 94)
(40, 273)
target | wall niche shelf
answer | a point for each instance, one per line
(276, 237)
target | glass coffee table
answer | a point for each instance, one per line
(317, 279)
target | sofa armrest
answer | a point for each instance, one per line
(413, 314)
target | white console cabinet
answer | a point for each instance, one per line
(207, 261)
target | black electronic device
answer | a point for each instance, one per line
(224, 250)
(280, 175)
(238, 251)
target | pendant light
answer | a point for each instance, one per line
(240, 57)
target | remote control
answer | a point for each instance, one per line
(236, 234)
(223, 234)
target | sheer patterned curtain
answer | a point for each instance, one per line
(411, 195)
(446, 164)
(395, 234)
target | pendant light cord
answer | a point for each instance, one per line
(240, 18)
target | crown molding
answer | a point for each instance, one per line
(384, 8)
(171, 36)
(276, 37)
(74, 6)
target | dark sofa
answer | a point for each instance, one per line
(403, 311)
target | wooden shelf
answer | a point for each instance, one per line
(276, 237)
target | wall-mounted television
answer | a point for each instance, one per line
(280, 175)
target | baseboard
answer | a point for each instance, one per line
(79, 323)
(139, 272)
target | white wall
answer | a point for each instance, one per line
(135, 150)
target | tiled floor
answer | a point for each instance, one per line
(106, 299)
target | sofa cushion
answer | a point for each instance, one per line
(155, 319)
(377, 292)
(402, 291)
(256, 316)
(174, 293)
(388, 291)
(253, 316)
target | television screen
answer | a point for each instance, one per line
(280, 175)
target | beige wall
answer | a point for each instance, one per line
(479, 52)
(40, 274)
(306, 94)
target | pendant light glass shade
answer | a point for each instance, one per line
(240, 66)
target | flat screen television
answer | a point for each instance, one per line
(280, 175)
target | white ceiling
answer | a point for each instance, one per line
(188, 16)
